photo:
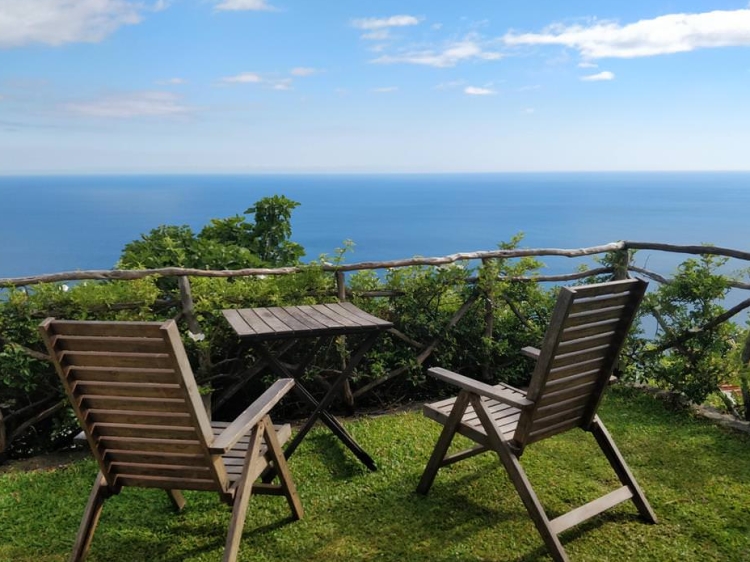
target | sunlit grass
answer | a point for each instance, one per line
(695, 474)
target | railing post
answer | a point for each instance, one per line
(621, 263)
(489, 323)
(346, 388)
(188, 307)
(196, 334)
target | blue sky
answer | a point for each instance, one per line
(234, 86)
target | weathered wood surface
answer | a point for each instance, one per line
(182, 271)
(302, 321)
(444, 260)
(135, 395)
(572, 370)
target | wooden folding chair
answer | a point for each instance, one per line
(135, 396)
(587, 330)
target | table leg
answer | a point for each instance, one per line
(320, 410)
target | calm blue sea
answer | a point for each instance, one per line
(60, 223)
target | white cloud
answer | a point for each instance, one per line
(475, 91)
(528, 110)
(530, 88)
(587, 64)
(303, 71)
(238, 5)
(243, 78)
(450, 55)
(172, 82)
(436, 26)
(253, 78)
(377, 35)
(382, 23)
(385, 90)
(137, 104)
(602, 76)
(57, 22)
(671, 33)
(284, 84)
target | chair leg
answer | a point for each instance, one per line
(242, 496)
(177, 499)
(520, 481)
(443, 442)
(616, 460)
(282, 469)
(99, 493)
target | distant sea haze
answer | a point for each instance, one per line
(61, 223)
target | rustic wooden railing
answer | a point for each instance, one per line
(34, 413)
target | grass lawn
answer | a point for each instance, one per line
(696, 476)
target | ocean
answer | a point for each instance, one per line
(60, 223)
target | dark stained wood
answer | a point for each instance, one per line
(134, 393)
(260, 324)
(573, 367)
(257, 326)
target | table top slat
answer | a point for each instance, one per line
(318, 314)
(369, 318)
(255, 322)
(304, 321)
(336, 317)
(341, 312)
(294, 321)
(274, 323)
(302, 316)
(237, 323)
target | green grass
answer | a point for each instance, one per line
(696, 476)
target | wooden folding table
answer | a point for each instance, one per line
(258, 327)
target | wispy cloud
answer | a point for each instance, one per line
(136, 104)
(273, 82)
(377, 35)
(530, 88)
(242, 5)
(303, 71)
(671, 33)
(243, 78)
(379, 29)
(282, 84)
(476, 91)
(587, 64)
(600, 77)
(383, 23)
(468, 49)
(172, 82)
(57, 22)
(385, 90)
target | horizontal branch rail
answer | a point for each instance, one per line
(698, 250)
(130, 274)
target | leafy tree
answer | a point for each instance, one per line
(231, 243)
(696, 360)
(272, 230)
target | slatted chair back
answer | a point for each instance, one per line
(132, 388)
(587, 330)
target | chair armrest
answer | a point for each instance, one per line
(531, 352)
(481, 388)
(250, 417)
